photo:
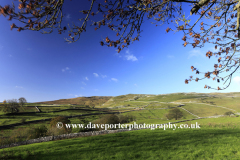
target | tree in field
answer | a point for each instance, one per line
(125, 17)
(174, 113)
(229, 113)
(22, 101)
(11, 106)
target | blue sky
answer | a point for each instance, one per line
(43, 67)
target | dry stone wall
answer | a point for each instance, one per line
(49, 119)
(64, 136)
(80, 134)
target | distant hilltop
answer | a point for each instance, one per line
(100, 100)
(91, 101)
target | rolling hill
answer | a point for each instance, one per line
(91, 101)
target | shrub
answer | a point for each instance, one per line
(123, 119)
(38, 132)
(23, 120)
(11, 139)
(22, 133)
(15, 136)
(54, 131)
(113, 119)
(106, 119)
(85, 122)
(64, 129)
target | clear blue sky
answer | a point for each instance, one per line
(43, 67)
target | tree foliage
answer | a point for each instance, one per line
(62, 119)
(4, 101)
(174, 113)
(22, 101)
(37, 132)
(113, 119)
(125, 18)
(229, 113)
(107, 119)
(11, 106)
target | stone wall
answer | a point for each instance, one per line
(49, 119)
(64, 136)
(37, 109)
(80, 134)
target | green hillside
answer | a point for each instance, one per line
(207, 142)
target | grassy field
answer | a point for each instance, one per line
(155, 116)
(6, 120)
(171, 97)
(14, 131)
(203, 110)
(184, 144)
(221, 122)
(208, 142)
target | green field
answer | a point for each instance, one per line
(203, 110)
(208, 142)
(184, 144)
(6, 120)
